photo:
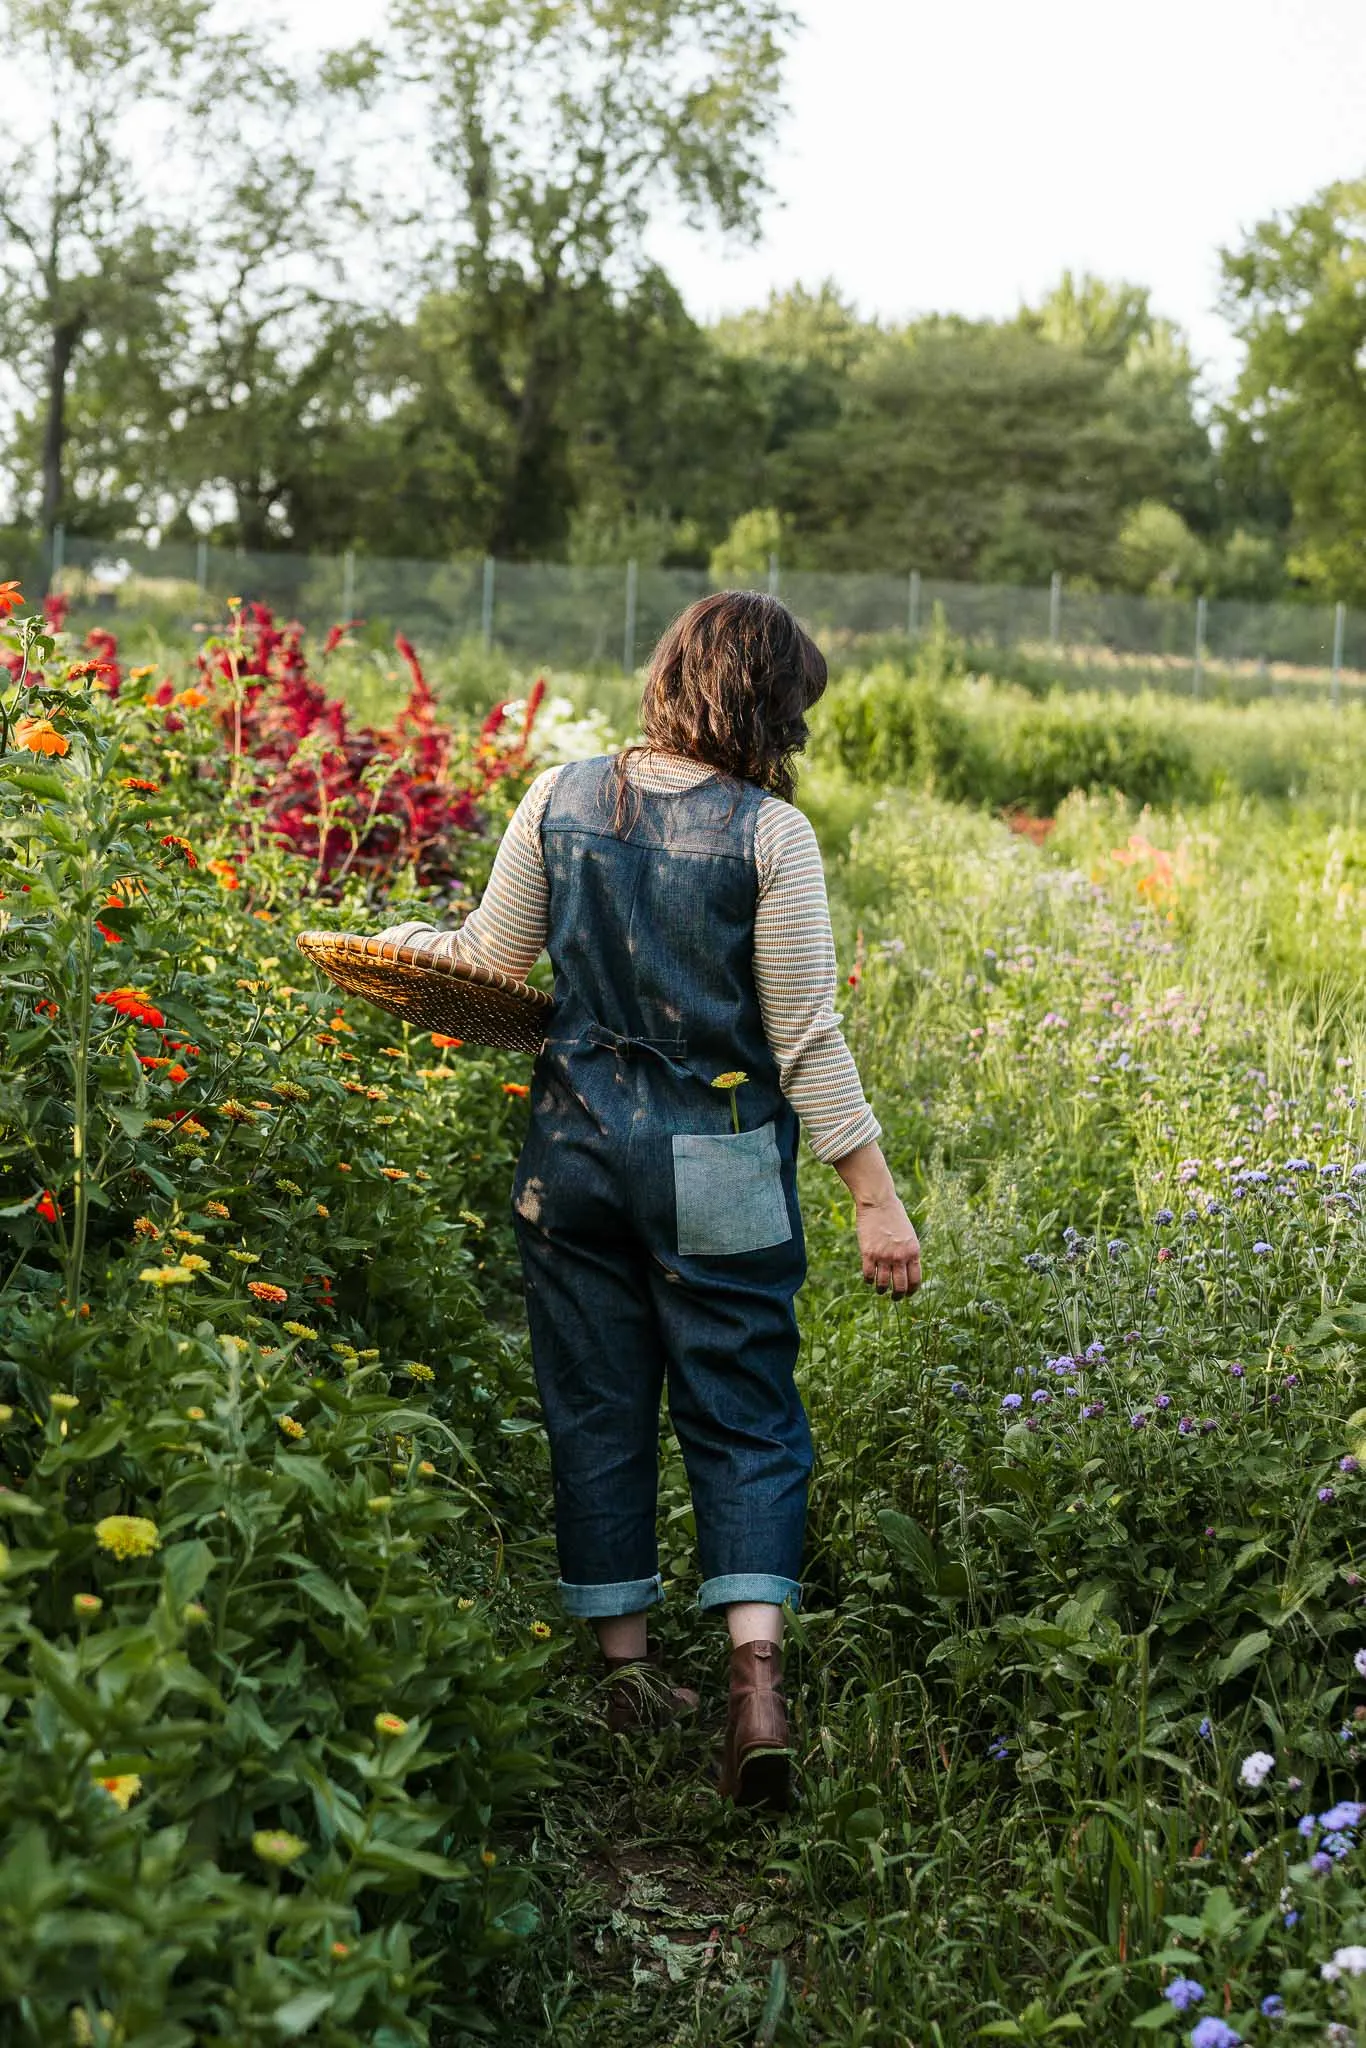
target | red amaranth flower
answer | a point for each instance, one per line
(336, 634)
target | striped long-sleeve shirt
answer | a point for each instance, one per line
(794, 950)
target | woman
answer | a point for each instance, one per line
(682, 901)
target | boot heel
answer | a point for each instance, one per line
(766, 1780)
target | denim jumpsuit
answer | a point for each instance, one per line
(657, 1244)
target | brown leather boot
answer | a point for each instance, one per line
(640, 1696)
(756, 1769)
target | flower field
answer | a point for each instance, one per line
(293, 1745)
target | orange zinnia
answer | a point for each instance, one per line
(40, 735)
(11, 597)
(224, 873)
(265, 1290)
(177, 844)
(516, 1088)
(192, 699)
(444, 1043)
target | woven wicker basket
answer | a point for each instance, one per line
(464, 1001)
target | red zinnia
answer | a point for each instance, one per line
(182, 847)
(46, 1206)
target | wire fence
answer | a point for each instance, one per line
(565, 616)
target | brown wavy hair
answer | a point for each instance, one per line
(730, 685)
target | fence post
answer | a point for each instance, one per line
(913, 606)
(58, 553)
(773, 575)
(348, 585)
(201, 564)
(486, 617)
(1198, 672)
(1339, 640)
(1055, 609)
(628, 652)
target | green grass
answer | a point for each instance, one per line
(1085, 1592)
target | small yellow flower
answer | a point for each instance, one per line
(735, 1080)
(235, 1113)
(488, 1857)
(468, 1216)
(143, 1226)
(390, 1724)
(383, 1122)
(427, 1469)
(190, 1236)
(393, 1173)
(193, 1130)
(166, 1276)
(380, 1503)
(541, 1630)
(464, 1605)
(125, 1536)
(245, 1258)
(64, 1403)
(194, 1262)
(218, 1209)
(290, 1091)
(415, 1371)
(367, 1354)
(194, 1614)
(290, 1426)
(122, 1790)
(321, 1209)
(161, 1123)
(275, 1845)
(86, 1605)
(289, 1187)
(299, 1330)
(194, 1414)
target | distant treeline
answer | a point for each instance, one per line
(291, 356)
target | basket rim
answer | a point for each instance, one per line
(413, 959)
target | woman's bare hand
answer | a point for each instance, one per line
(887, 1241)
(890, 1247)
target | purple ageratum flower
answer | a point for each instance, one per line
(1012, 1400)
(1091, 1410)
(1184, 1992)
(1327, 1493)
(1292, 1379)
(1138, 1420)
(1290, 1920)
(1163, 1401)
(1187, 1425)
(1209, 1425)
(1019, 1372)
(1273, 2005)
(1095, 1350)
(1040, 1394)
(1262, 1249)
(1348, 1813)
(999, 1750)
(1350, 1464)
(1206, 1728)
(1320, 1864)
(1165, 1216)
(1238, 1372)
(1117, 1247)
(1359, 1661)
(959, 1391)
(1306, 1827)
(1338, 1843)
(1359, 1170)
(1299, 1166)
(1330, 1170)
(1212, 2033)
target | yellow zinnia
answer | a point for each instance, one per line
(125, 1536)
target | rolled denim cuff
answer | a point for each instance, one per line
(764, 1587)
(624, 1596)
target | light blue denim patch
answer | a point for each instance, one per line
(767, 1587)
(729, 1193)
(600, 1603)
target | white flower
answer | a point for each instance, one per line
(1359, 1663)
(1347, 1962)
(1257, 1768)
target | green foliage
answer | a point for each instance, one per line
(1157, 553)
(237, 1226)
(1298, 417)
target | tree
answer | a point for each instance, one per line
(1296, 294)
(82, 251)
(559, 126)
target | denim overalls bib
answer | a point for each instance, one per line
(658, 1244)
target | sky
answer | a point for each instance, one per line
(958, 157)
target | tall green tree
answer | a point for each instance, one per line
(562, 127)
(1296, 295)
(85, 253)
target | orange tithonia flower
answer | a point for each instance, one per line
(140, 782)
(134, 1003)
(40, 736)
(11, 597)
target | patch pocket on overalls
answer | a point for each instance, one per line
(729, 1193)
